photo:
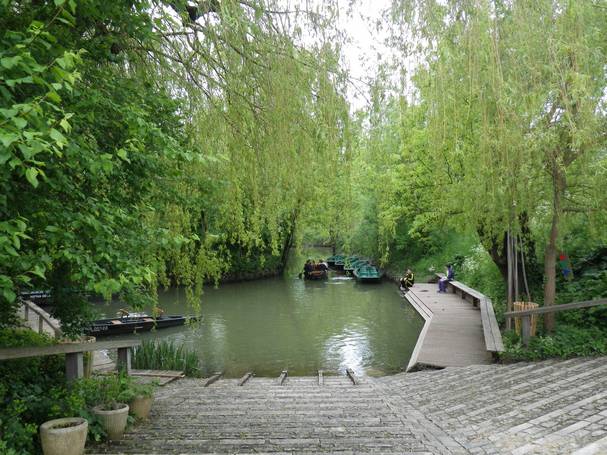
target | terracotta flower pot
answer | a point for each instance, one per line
(141, 406)
(113, 420)
(65, 436)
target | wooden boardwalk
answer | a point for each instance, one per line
(453, 332)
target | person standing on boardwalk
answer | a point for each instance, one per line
(449, 276)
(407, 281)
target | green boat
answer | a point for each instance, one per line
(339, 263)
(367, 274)
(332, 259)
(350, 266)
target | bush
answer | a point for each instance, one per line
(166, 355)
(27, 390)
(567, 341)
(34, 390)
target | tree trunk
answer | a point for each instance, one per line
(558, 184)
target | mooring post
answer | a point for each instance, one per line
(216, 377)
(245, 378)
(352, 376)
(282, 378)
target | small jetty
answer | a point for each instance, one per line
(459, 330)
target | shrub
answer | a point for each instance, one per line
(567, 341)
(27, 390)
(34, 390)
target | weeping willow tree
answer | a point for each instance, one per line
(154, 142)
(269, 123)
(515, 110)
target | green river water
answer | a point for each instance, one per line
(269, 325)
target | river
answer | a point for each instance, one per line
(270, 325)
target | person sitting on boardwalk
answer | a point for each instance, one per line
(407, 281)
(449, 276)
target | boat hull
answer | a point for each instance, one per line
(124, 326)
(369, 279)
(316, 275)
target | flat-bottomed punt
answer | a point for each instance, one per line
(132, 324)
(367, 274)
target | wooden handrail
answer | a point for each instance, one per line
(68, 348)
(43, 317)
(555, 308)
(525, 315)
(74, 359)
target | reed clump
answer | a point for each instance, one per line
(166, 355)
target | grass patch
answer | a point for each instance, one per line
(166, 355)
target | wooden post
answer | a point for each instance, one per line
(352, 376)
(216, 377)
(283, 376)
(26, 309)
(526, 329)
(40, 324)
(124, 360)
(245, 378)
(74, 365)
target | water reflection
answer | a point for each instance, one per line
(349, 350)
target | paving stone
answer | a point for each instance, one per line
(550, 407)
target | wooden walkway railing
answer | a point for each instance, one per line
(44, 318)
(525, 315)
(491, 331)
(74, 359)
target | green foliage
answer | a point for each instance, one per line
(28, 389)
(144, 148)
(34, 390)
(567, 341)
(166, 355)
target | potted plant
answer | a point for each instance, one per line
(140, 398)
(111, 412)
(65, 436)
(113, 417)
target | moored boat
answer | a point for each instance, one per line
(367, 274)
(134, 323)
(349, 266)
(316, 275)
(332, 259)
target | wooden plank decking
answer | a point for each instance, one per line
(453, 331)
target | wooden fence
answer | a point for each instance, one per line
(525, 315)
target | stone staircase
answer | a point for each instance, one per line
(551, 407)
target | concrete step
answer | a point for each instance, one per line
(546, 407)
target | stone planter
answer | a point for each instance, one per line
(113, 420)
(141, 406)
(64, 436)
